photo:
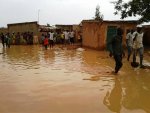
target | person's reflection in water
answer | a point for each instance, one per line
(113, 99)
(137, 92)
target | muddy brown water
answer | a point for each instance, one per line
(70, 80)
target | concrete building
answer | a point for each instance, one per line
(96, 34)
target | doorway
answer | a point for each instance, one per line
(111, 31)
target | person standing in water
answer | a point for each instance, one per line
(7, 40)
(46, 42)
(51, 43)
(129, 42)
(3, 40)
(117, 50)
(138, 46)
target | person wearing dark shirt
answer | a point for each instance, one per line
(116, 49)
(3, 39)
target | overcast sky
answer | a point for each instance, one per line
(53, 11)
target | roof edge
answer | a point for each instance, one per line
(116, 21)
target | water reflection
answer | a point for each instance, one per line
(130, 93)
(36, 57)
(22, 57)
(113, 99)
(137, 91)
(61, 74)
(49, 57)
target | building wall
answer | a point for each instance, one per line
(123, 26)
(146, 37)
(65, 27)
(92, 37)
(77, 30)
(95, 33)
(3, 30)
(24, 27)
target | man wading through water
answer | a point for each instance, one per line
(117, 50)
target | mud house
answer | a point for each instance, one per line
(96, 34)
(24, 27)
(3, 30)
(76, 28)
(64, 27)
(21, 27)
(146, 37)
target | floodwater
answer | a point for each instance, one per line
(70, 80)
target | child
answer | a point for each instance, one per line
(46, 42)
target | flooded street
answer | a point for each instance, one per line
(70, 80)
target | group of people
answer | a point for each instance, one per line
(134, 42)
(5, 39)
(49, 39)
(16, 38)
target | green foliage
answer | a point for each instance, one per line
(98, 15)
(133, 8)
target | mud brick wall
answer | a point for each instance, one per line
(94, 33)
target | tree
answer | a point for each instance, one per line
(98, 15)
(48, 25)
(133, 8)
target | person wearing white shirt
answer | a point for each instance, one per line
(51, 43)
(71, 37)
(129, 42)
(138, 45)
(66, 33)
